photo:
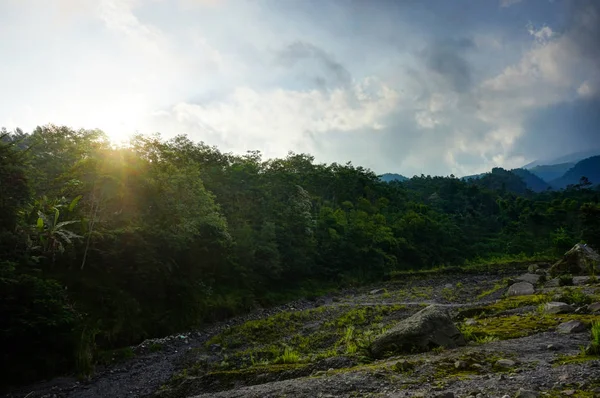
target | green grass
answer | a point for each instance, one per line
(515, 326)
(288, 357)
(594, 348)
(494, 264)
(575, 296)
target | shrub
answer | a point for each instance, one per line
(575, 297)
(594, 347)
(565, 280)
(37, 323)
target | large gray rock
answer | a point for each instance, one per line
(558, 308)
(531, 278)
(522, 393)
(581, 280)
(521, 289)
(429, 328)
(594, 307)
(569, 327)
(580, 260)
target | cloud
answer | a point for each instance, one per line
(279, 120)
(328, 71)
(446, 58)
(508, 3)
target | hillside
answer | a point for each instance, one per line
(514, 346)
(589, 168)
(533, 182)
(552, 171)
(387, 177)
(501, 180)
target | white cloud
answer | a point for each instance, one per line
(281, 119)
(508, 3)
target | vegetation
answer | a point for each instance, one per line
(104, 246)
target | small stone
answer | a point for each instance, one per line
(448, 286)
(521, 289)
(403, 365)
(532, 268)
(531, 278)
(593, 308)
(551, 347)
(522, 393)
(470, 322)
(461, 365)
(568, 392)
(558, 308)
(569, 327)
(505, 363)
(376, 291)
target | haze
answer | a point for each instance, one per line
(411, 87)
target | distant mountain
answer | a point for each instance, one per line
(387, 177)
(532, 181)
(589, 168)
(552, 171)
(467, 178)
(571, 158)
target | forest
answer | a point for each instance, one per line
(103, 246)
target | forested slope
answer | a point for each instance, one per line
(103, 246)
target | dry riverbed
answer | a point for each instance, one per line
(320, 348)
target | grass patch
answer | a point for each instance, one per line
(515, 326)
(114, 356)
(575, 296)
(289, 356)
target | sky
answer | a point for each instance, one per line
(404, 86)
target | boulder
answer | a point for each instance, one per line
(594, 307)
(522, 393)
(505, 363)
(531, 278)
(521, 289)
(427, 329)
(580, 280)
(555, 307)
(569, 327)
(580, 260)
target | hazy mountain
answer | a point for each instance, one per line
(552, 171)
(532, 181)
(571, 158)
(387, 177)
(466, 178)
(589, 168)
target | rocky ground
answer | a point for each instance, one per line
(518, 345)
